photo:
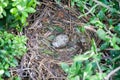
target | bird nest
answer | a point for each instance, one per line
(42, 61)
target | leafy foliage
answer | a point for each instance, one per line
(86, 66)
(107, 36)
(11, 48)
(13, 13)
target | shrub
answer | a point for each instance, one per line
(13, 13)
(12, 47)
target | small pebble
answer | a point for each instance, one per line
(60, 41)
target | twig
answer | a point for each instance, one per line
(112, 72)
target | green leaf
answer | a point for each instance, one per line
(3, 51)
(101, 34)
(118, 40)
(114, 43)
(1, 72)
(7, 73)
(88, 68)
(25, 14)
(12, 65)
(58, 29)
(46, 51)
(95, 21)
(81, 58)
(94, 77)
(104, 46)
(94, 47)
(117, 28)
(1, 10)
(51, 37)
(65, 67)
(101, 14)
(116, 47)
(76, 67)
(72, 3)
(20, 8)
(32, 3)
(30, 10)
(113, 10)
(13, 10)
(4, 4)
(58, 1)
(4, 12)
(15, 62)
(6, 66)
(77, 78)
(116, 5)
(1, 16)
(81, 29)
(1, 42)
(110, 21)
(17, 78)
(84, 57)
(23, 19)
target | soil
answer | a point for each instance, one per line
(42, 61)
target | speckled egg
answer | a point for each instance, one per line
(60, 41)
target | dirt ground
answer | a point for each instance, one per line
(42, 61)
